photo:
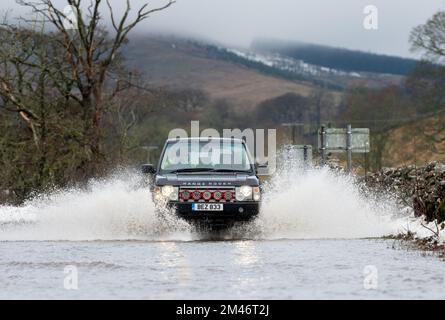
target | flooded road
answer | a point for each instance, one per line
(318, 236)
(281, 269)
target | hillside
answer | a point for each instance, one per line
(417, 142)
(179, 64)
(246, 78)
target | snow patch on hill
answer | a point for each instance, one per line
(291, 65)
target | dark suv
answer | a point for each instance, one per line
(208, 181)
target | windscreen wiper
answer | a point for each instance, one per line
(192, 170)
(231, 170)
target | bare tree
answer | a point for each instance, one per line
(17, 49)
(91, 54)
(57, 84)
(430, 38)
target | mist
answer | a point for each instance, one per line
(237, 23)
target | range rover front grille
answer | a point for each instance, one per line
(207, 194)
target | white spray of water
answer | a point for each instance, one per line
(117, 208)
(320, 203)
(297, 205)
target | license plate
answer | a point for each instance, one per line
(207, 207)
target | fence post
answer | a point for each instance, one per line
(349, 146)
(305, 156)
(323, 145)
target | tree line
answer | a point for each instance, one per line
(339, 58)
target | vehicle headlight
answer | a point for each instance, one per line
(170, 192)
(256, 194)
(243, 193)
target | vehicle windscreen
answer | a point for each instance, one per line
(191, 156)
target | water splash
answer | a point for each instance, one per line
(321, 203)
(116, 208)
(298, 204)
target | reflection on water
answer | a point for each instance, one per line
(306, 269)
(245, 253)
(172, 259)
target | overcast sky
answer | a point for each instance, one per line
(332, 22)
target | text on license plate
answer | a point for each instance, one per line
(207, 207)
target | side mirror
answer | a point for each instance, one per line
(148, 169)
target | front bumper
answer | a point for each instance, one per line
(233, 212)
